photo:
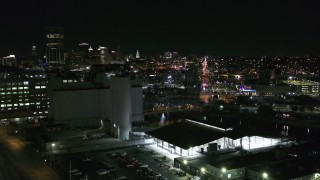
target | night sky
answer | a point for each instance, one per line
(219, 28)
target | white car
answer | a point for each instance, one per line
(102, 171)
(194, 178)
(143, 166)
(74, 170)
(86, 159)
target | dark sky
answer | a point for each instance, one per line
(222, 27)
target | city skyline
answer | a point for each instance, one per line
(220, 29)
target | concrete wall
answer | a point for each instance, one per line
(136, 104)
(83, 107)
(84, 104)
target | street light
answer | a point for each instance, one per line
(185, 162)
(203, 170)
(264, 175)
(224, 170)
(52, 146)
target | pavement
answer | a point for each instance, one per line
(78, 145)
(89, 167)
(18, 160)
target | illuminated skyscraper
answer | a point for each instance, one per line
(55, 45)
(137, 55)
(9, 61)
(34, 55)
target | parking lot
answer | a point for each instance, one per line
(129, 163)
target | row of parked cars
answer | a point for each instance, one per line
(105, 168)
(100, 168)
(142, 170)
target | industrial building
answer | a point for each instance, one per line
(115, 100)
(190, 137)
(303, 87)
(212, 152)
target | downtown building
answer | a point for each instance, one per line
(23, 95)
(55, 45)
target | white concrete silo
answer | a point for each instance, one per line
(120, 87)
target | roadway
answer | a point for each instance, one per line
(19, 161)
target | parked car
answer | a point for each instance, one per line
(181, 173)
(74, 170)
(86, 159)
(101, 171)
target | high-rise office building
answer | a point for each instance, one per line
(137, 55)
(34, 55)
(9, 61)
(23, 95)
(55, 45)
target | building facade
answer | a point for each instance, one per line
(116, 101)
(55, 45)
(23, 98)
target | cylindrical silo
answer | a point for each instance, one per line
(120, 87)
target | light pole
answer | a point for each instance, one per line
(52, 146)
(203, 172)
(70, 169)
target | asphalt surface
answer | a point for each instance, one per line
(18, 160)
(89, 168)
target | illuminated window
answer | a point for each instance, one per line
(20, 87)
(26, 87)
(14, 88)
(25, 83)
(37, 87)
(43, 87)
(65, 81)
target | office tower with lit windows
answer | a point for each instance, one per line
(9, 61)
(55, 45)
(137, 55)
(23, 96)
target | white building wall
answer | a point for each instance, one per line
(83, 105)
(121, 105)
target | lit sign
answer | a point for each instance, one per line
(55, 36)
(245, 88)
